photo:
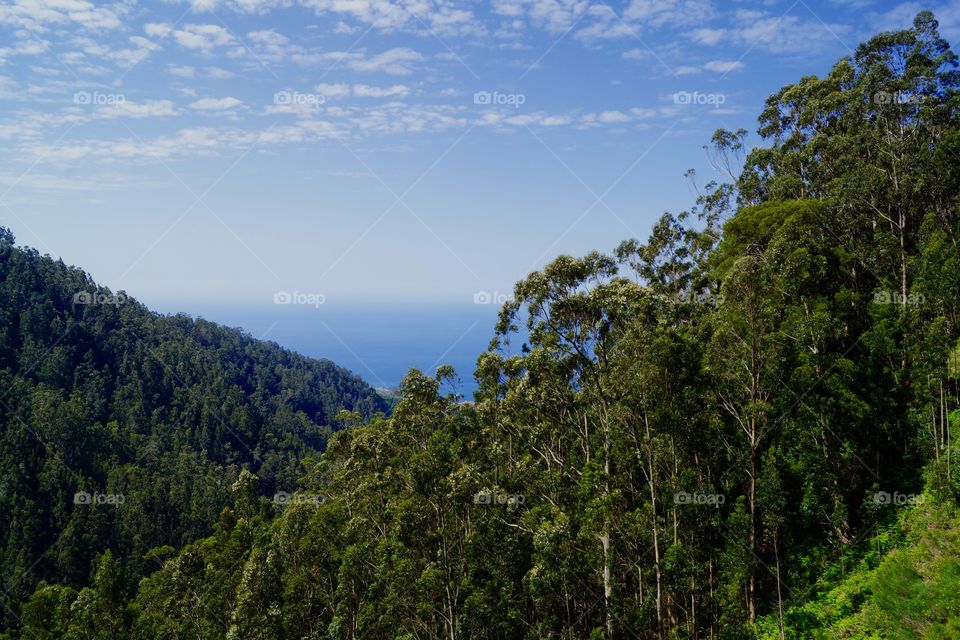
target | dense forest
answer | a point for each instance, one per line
(738, 428)
(124, 430)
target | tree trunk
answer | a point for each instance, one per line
(752, 598)
(776, 552)
(607, 585)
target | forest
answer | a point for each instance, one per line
(124, 430)
(740, 427)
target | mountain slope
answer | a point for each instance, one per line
(101, 397)
(903, 583)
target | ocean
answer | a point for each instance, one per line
(378, 342)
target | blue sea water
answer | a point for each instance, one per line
(378, 342)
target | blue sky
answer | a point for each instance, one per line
(214, 151)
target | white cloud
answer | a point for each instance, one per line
(125, 57)
(146, 109)
(613, 117)
(270, 45)
(242, 6)
(216, 104)
(142, 43)
(785, 34)
(332, 91)
(39, 15)
(637, 54)
(593, 21)
(377, 13)
(182, 71)
(218, 73)
(723, 66)
(366, 91)
(708, 36)
(23, 48)
(672, 13)
(643, 113)
(45, 183)
(186, 142)
(395, 62)
(343, 28)
(383, 118)
(200, 37)
(305, 104)
(444, 17)
(555, 16)
(500, 119)
(157, 29)
(343, 90)
(267, 37)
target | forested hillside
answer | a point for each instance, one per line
(902, 583)
(708, 434)
(152, 416)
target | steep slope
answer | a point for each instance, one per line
(902, 583)
(103, 401)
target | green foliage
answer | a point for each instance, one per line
(750, 231)
(165, 412)
(901, 583)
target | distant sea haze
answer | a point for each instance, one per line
(379, 342)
